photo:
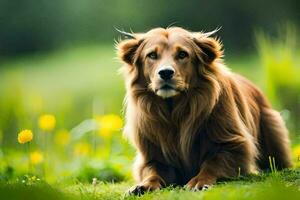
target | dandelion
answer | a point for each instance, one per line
(36, 157)
(62, 137)
(108, 124)
(296, 151)
(47, 122)
(25, 136)
(296, 155)
(82, 148)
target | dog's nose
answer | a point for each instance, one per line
(166, 74)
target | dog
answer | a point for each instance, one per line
(192, 120)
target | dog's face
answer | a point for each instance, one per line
(168, 63)
(170, 60)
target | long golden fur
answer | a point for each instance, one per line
(203, 124)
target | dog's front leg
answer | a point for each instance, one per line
(148, 178)
(204, 179)
(222, 165)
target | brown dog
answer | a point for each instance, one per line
(191, 120)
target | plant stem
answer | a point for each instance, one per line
(28, 155)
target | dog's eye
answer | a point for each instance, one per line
(153, 55)
(182, 55)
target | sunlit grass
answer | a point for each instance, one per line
(265, 186)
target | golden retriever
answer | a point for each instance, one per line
(191, 120)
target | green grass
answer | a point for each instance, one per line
(282, 185)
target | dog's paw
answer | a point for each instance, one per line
(198, 183)
(140, 189)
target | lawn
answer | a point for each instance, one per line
(282, 185)
(78, 86)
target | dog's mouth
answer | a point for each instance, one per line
(167, 87)
(166, 91)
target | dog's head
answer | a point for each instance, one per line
(169, 61)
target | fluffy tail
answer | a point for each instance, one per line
(274, 141)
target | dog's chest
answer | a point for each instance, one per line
(187, 161)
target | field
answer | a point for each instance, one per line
(71, 100)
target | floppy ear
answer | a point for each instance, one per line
(126, 49)
(210, 48)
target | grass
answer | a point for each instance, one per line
(281, 185)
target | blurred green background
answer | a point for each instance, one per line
(31, 26)
(59, 79)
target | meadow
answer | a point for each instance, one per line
(61, 120)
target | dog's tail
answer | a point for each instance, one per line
(274, 141)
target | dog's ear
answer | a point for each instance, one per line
(210, 48)
(126, 49)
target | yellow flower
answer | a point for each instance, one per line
(62, 137)
(36, 157)
(25, 136)
(47, 122)
(296, 156)
(108, 124)
(82, 148)
(296, 151)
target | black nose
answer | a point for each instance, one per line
(166, 74)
